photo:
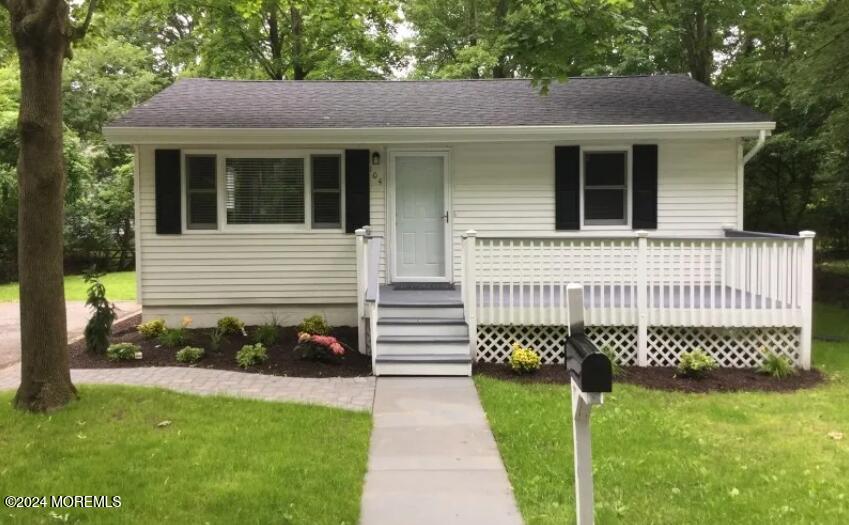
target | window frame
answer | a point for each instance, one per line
(187, 194)
(221, 189)
(340, 191)
(599, 224)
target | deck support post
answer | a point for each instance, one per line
(362, 285)
(806, 298)
(642, 298)
(468, 289)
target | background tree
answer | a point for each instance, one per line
(43, 33)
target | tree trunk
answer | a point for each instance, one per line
(298, 70)
(40, 29)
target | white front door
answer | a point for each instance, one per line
(420, 216)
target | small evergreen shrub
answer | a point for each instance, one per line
(99, 327)
(231, 325)
(524, 360)
(776, 365)
(615, 367)
(315, 325)
(151, 328)
(122, 352)
(216, 336)
(696, 364)
(190, 354)
(265, 334)
(251, 355)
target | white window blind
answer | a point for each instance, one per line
(605, 187)
(201, 194)
(326, 191)
(265, 190)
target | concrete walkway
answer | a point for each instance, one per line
(77, 313)
(433, 459)
(351, 393)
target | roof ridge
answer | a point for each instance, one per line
(426, 80)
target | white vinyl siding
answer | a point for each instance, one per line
(498, 189)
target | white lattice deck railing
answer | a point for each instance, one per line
(653, 284)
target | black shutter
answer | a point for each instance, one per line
(645, 187)
(356, 189)
(168, 217)
(567, 187)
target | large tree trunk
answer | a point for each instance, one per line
(41, 33)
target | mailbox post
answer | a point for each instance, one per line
(592, 376)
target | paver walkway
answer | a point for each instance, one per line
(352, 393)
(76, 311)
(433, 459)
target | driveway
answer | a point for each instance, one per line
(10, 326)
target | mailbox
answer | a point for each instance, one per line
(590, 369)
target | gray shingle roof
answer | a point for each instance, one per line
(662, 99)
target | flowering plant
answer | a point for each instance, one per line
(319, 347)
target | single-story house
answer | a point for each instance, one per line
(445, 217)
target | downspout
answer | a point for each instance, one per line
(742, 160)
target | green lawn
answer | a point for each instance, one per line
(221, 460)
(120, 286)
(677, 458)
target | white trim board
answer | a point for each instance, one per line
(411, 135)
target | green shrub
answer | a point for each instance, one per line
(231, 325)
(251, 355)
(524, 360)
(122, 352)
(215, 339)
(776, 365)
(172, 337)
(190, 354)
(99, 327)
(615, 367)
(315, 325)
(151, 328)
(265, 334)
(696, 364)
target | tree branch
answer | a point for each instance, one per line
(78, 32)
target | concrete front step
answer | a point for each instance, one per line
(418, 344)
(421, 364)
(422, 326)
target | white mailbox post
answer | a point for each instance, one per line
(591, 376)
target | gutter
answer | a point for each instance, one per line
(756, 148)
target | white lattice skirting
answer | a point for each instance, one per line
(731, 347)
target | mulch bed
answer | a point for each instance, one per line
(667, 378)
(282, 361)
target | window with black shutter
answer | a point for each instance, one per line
(605, 187)
(326, 191)
(201, 192)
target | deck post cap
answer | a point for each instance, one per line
(642, 233)
(807, 234)
(471, 233)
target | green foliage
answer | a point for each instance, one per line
(172, 337)
(152, 328)
(231, 326)
(190, 354)
(615, 368)
(315, 324)
(775, 365)
(267, 334)
(696, 364)
(524, 360)
(122, 352)
(216, 336)
(99, 326)
(251, 355)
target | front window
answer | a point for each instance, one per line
(605, 188)
(265, 190)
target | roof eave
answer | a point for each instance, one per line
(407, 135)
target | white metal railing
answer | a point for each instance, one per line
(742, 280)
(368, 250)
